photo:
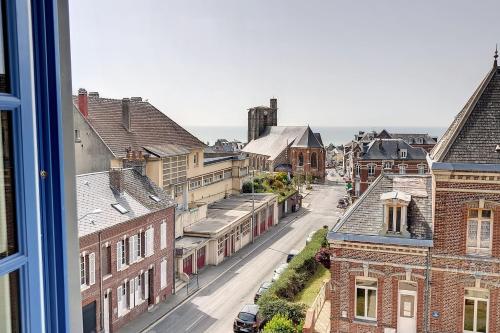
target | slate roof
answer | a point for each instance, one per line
(94, 193)
(149, 126)
(475, 132)
(426, 138)
(276, 138)
(166, 150)
(366, 215)
(388, 149)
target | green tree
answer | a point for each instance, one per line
(280, 324)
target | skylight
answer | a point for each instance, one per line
(155, 198)
(120, 208)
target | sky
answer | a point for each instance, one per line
(329, 63)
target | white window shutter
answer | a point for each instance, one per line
(91, 268)
(146, 243)
(163, 274)
(146, 285)
(163, 235)
(131, 302)
(138, 290)
(151, 241)
(131, 250)
(120, 299)
(119, 256)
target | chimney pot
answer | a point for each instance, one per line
(93, 94)
(136, 99)
(83, 102)
(116, 180)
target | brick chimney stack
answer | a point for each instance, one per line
(273, 103)
(83, 102)
(116, 180)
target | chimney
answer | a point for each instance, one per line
(83, 102)
(93, 94)
(116, 180)
(273, 103)
(126, 118)
(136, 99)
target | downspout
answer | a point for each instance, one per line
(427, 300)
(173, 257)
(101, 301)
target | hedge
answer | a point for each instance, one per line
(277, 300)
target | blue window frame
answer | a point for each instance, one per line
(34, 274)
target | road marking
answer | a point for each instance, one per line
(194, 323)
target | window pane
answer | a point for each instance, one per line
(472, 233)
(4, 77)
(9, 303)
(486, 213)
(360, 302)
(372, 303)
(8, 234)
(469, 315)
(482, 309)
(473, 213)
(485, 234)
(390, 220)
(398, 219)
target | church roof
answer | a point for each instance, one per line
(475, 132)
(276, 138)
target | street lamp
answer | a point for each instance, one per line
(253, 207)
(95, 211)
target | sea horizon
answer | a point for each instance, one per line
(337, 135)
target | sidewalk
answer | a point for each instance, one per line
(206, 277)
(322, 324)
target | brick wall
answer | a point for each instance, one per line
(90, 243)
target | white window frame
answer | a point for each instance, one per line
(371, 169)
(402, 169)
(476, 299)
(394, 217)
(83, 278)
(357, 170)
(163, 273)
(163, 235)
(403, 153)
(366, 288)
(421, 169)
(477, 249)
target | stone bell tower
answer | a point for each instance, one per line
(260, 117)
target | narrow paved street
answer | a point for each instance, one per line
(214, 307)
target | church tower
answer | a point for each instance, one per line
(260, 117)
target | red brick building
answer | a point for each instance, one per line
(421, 253)
(126, 231)
(294, 149)
(385, 156)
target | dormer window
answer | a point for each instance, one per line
(394, 219)
(395, 212)
(403, 153)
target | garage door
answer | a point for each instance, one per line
(89, 320)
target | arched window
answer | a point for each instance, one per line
(301, 159)
(314, 160)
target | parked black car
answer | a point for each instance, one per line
(248, 319)
(262, 289)
(291, 254)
